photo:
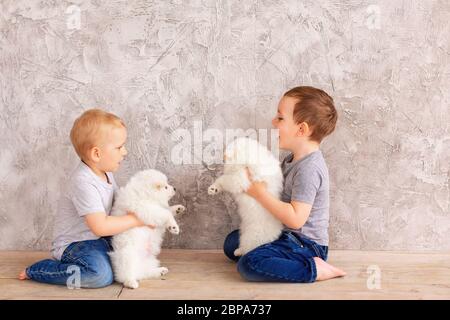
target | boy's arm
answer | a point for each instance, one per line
(103, 225)
(88, 204)
(293, 215)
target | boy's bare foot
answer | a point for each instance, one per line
(23, 275)
(326, 271)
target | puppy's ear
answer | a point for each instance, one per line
(158, 186)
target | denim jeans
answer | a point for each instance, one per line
(85, 264)
(290, 258)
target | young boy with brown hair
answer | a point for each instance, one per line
(305, 116)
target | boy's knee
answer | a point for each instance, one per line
(100, 275)
(246, 269)
(97, 282)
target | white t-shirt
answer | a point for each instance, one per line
(84, 193)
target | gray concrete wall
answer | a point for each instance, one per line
(161, 65)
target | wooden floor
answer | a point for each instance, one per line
(207, 274)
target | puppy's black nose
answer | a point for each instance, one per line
(174, 189)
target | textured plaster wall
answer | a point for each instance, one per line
(161, 65)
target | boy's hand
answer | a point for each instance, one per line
(141, 224)
(256, 187)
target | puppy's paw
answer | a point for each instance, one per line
(132, 284)
(173, 228)
(163, 271)
(213, 189)
(178, 209)
(238, 252)
(155, 273)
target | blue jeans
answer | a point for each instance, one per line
(290, 258)
(85, 264)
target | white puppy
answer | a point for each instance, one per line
(258, 226)
(134, 258)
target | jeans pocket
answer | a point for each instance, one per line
(295, 239)
(314, 247)
(74, 252)
(66, 255)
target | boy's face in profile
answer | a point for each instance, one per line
(284, 122)
(112, 150)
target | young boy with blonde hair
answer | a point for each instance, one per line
(83, 224)
(305, 116)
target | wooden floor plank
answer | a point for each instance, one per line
(16, 289)
(208, 274)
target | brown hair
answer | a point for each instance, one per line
(91, 126)
(315, 107)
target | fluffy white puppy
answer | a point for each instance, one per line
(258, 226)
(134, 258)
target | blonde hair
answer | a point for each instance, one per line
(90, 127)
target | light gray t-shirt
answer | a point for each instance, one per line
(306, 180)
(84, 193)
